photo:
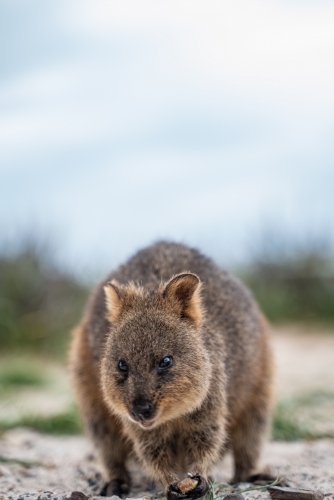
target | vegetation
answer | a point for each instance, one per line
(67, 422)
(22, 376)
(39, 303)
(222, 489)
(287, 428)
(288, 424)
(292, 281)
(17, 373)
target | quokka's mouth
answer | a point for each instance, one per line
(146, 423)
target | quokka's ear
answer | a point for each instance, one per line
(113, 294)
(183, 292)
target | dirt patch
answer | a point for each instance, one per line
(304, 359)
(48, 467)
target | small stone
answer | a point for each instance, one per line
(78, 495)
(283, 493)
(234, 496)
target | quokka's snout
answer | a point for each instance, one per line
(142, 409)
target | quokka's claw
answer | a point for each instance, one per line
(115, 487)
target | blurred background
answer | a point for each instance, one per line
(124, 122)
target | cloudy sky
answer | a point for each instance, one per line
(126, 121)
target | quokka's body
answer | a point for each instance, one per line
(171, 364)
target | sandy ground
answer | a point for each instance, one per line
(59, 465)
(63, 465)
(304, 360)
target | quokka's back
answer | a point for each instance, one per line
(171, 363)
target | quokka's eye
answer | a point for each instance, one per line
(166, 362)
(122, 366)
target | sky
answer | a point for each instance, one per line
(124, 122)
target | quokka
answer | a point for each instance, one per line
(171, 364)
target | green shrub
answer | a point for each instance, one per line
(67, 422)
(39, 303)
(17, 376)
(295, 419)
(292, 282)
(285, 427)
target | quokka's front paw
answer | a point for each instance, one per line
(194, 486)
(115, 487)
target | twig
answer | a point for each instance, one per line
(215, 489)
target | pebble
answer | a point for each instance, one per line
(234, 496)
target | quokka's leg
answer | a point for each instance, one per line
(113, 451)
(252, 428)
(247, 441)
(103, 428)
(201, 449)
(202, 443)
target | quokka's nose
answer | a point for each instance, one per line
(141, 409)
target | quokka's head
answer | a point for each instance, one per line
(155, 367)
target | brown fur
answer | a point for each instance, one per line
(169, 300)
